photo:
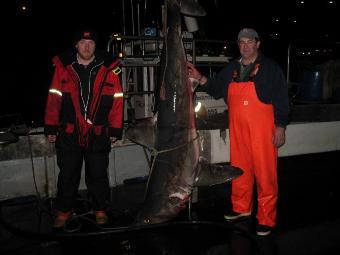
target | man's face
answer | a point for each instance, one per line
(248, 47)
(86, 48)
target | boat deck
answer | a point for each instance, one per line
(308, 220)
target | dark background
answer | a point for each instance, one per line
(33, 36)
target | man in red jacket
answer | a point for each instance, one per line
(84, 115)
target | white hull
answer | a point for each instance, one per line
(128, 160)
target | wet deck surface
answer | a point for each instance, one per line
(308, 220)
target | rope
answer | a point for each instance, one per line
(154, 152)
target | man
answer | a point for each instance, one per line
(255, 90)
(83, 117)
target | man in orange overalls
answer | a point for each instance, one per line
(255, 90)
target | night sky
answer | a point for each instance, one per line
(47, 28)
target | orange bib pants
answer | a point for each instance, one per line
(251, 127)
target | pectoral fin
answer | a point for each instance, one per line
(142, 132)
(212, 174)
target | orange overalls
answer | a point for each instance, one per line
(251, 127)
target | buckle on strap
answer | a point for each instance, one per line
(117, 70)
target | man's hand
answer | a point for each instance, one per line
(193, 73)
(51, 138)
(279, 137)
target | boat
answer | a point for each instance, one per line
(28, 169)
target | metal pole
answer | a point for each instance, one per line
(194, 51)
(138, 18)
(288, 63)
(123, 17)
(133, 18)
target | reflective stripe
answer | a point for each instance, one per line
(55, 91)
(117, 70)
(198, 107)
(119, 94)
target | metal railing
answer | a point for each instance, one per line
(140, 58)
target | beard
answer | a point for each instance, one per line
(86, 55)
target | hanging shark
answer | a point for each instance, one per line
(177, 165)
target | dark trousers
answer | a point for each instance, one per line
(70, 163)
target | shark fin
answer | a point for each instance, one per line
(213, 174)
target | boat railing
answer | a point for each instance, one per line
(140, 59)
(148, 48)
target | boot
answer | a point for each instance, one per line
(61, 219)
(101, 217)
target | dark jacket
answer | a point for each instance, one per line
(270, 85)
(65, 107)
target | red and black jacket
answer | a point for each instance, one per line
(64, 110)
